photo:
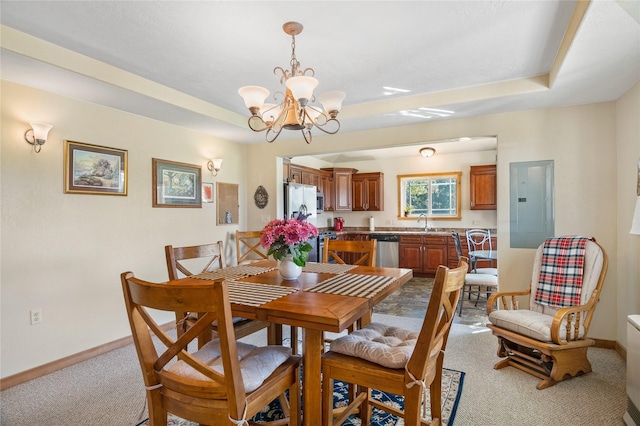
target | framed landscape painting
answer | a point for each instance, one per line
(93, 169)
(176, 184)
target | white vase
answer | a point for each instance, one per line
(288, 269)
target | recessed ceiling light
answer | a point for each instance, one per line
(388, 91)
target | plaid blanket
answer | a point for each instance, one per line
(560, 281)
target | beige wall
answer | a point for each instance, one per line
(63, 253)
(628, 156)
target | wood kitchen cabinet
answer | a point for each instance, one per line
(368, 191)
(423, 253)
(328, 190)
(342, 188)
(483, 187)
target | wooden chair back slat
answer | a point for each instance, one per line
(334, 250)
(248, 247)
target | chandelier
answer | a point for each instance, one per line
(294, 111)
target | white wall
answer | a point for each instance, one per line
(63, 253)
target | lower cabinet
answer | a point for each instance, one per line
(423, 253)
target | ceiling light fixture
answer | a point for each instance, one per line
(427, 152)
(294, 112)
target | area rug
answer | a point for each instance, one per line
(451, 390)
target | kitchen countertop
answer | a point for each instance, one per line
(400, 231)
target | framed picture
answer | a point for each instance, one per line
(207, 192)
(176, 184)
(93, 169)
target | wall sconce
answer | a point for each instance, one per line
(427, 152)
(37, 135)
(214, 166)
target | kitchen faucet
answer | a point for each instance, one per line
(426, 221)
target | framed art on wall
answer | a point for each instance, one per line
(176, 184)
(207, 192)
(93, 169)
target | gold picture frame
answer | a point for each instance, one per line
(94, 169)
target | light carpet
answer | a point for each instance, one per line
(108, 389)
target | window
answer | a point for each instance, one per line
(436, 195)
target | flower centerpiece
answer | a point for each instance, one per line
(283, 237)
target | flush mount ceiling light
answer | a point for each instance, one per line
(427, 152)
(294, 112)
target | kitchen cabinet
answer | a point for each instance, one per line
(423, 253)
(327, 188)
(368, 191)
(342, 196)
(482, 187)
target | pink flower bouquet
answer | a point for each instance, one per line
(283, 237)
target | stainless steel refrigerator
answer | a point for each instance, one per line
(300, 199)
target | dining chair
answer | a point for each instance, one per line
(212, 257)
(334, 250)
(479, 239)
(475, 283)
(548, 336)
(224, 382)
(394, 360)
(248, 248)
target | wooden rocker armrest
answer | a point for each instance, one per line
(507, 300)
(574, 317)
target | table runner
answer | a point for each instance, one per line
(353, 285)
(252, 294)
(233, 272)
(327, 268)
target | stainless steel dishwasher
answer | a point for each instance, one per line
(387, 250)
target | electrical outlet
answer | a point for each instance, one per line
(475, 222)
(36, 316)
(388, 222)
(265, 218)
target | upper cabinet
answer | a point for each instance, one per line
(368, 191)
(482, 187)
(342, 181)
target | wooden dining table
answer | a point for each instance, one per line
(315, 304)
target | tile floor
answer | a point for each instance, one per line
(412, 298)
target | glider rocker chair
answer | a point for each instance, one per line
(394, 360)
(549, 339)
(212, 256)
(224, 382)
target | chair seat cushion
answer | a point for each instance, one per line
(490, 271)
(481, 279)
(529, 323)
(256, 363)
(384, 345)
